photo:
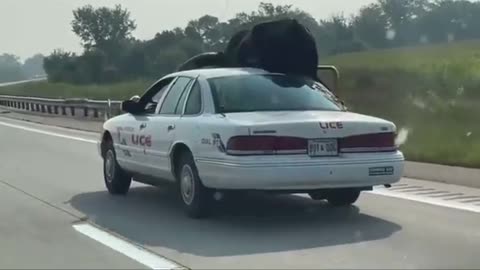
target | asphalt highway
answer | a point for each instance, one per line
(56, 213)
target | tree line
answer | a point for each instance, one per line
(12, 69)
(111, 53)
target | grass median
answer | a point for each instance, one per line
(432, 93)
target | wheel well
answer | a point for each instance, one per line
(107, 137)
(176, 153)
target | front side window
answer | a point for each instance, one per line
(153, 95)
(247, 93)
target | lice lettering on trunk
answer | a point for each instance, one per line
(331, 125)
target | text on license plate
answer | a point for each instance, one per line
(321, 148)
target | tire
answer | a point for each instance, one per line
(196, 198)
(116, 179)
(317, 195)
(343, 197)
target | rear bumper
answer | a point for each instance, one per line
(301, 175)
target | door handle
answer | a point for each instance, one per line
(171, 127)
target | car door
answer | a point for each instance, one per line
(133, 141)
(161, 128)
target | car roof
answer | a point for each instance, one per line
(209, 73)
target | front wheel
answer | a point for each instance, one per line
(116, 179)
(196, 198)
(343, 197)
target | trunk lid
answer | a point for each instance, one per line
(310, 124)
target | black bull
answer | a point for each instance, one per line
(281, 46)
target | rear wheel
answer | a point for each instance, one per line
(317, 195)
(116, 179)
(196, 198)
(342, 197)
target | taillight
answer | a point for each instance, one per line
(376, 142)
(266, 145)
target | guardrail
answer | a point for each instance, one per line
(75, 108)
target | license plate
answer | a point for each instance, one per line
(322, 148)
(378, 171)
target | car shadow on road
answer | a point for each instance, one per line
(256, 224)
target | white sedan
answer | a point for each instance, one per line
(212, 131)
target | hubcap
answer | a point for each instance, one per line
(109, 166)
(187, 184)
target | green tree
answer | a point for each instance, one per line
(60, 66)
(370, 26)
(103, 28)
(34, 66)
(449, 20)
(401, 16)
(206, 30)
(337, 36)
(10, 68)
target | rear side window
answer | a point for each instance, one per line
(171, 100)
(183, 97)
(194, 102)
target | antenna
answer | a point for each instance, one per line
(225, 11)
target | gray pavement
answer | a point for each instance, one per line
(258, 232)
(35, 235)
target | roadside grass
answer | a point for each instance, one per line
(418, 58)
(118, 91)
(431, 91)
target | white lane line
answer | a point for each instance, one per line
(134, 252)
(48, 133)
(418, 190)
(406, 188)
(432, 201)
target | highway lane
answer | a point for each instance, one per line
(259, 232)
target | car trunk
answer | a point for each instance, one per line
(310, 124)
(316, 133)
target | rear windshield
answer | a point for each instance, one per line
(248, 93)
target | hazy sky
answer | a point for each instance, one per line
(39, 26)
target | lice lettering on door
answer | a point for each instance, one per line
(143, 140)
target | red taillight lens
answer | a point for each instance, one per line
(377, 142)
(266, 145)
(274, 145)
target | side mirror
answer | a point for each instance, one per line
(131, 106)
(329, 75)
(135, 98)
